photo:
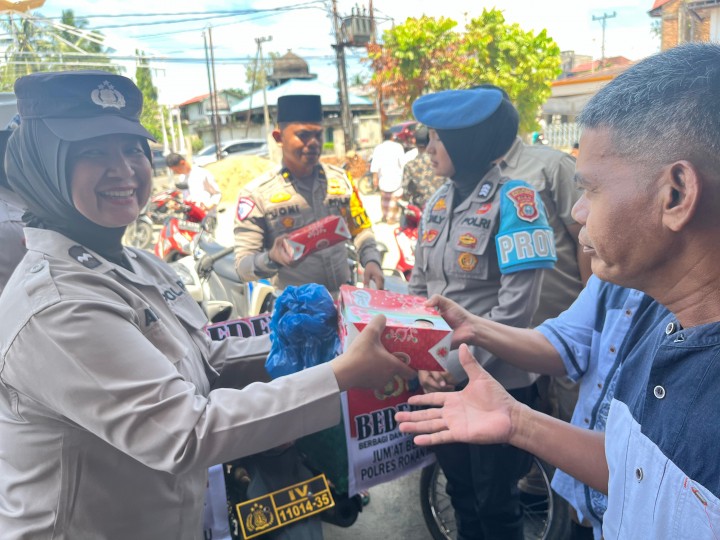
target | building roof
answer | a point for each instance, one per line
(599, 75)
(595, 65)
(328, 95)
(196, 99)
(659, 4)
(290, 66)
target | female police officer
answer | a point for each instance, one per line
(107, 418)
(483, 242)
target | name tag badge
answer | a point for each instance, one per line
(285, 506)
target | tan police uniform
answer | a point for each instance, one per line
(552, 173)
(126, 440)
(11, 233)
(276, 204)
(456, 256)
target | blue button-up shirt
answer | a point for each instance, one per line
(663, 433)
(591, 338)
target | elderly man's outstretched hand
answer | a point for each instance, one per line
(481, 413)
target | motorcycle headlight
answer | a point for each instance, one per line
(185, 275)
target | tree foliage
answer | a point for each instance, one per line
(33, 44)
(428, 55)
(150, 117)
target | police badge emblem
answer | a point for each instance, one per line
(106, 96)
(524, 200)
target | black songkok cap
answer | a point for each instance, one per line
(299, 108)
(79, 105)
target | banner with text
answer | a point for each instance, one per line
(377, 451)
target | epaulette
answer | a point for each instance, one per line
(257, 183)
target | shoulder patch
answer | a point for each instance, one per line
(525, 240)
(524, 199)
(244, 207)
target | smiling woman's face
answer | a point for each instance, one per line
(110, 179)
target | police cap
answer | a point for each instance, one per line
(78, 105)
(299, 108)
(457, 109)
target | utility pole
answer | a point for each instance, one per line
(604, 18)
(266, 115)
(213, 96)
(345, 114)
(259, 68)
(211, 91)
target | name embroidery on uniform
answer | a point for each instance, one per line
(282, 211)
(467, 262)
(338, 201)
(171, 293)
(482, 223)
(524, 200)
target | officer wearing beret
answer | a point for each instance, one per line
(108, 423)
(484, 242)
(301, 191)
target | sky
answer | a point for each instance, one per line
(305, 27)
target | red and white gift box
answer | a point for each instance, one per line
(415, 333)
(318, 235)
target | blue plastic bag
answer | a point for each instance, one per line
(303, 330)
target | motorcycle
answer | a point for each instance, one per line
(406, 237)
(164, 204)
(209, 275)
(177, 232)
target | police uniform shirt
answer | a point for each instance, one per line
(276, 204)
(457, 256)
(121, 446)
(11, 233)
(551, 173)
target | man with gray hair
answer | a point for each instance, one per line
(650, 170)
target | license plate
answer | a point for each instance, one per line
(190, 226)
(288, 505)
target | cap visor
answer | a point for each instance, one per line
(80, 129)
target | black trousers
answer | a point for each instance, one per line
(482, 484)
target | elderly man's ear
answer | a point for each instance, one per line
(682, 190)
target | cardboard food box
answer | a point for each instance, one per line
(418, 335)
(318, 235)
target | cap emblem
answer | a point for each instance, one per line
(106, 96)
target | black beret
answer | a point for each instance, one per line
(457, 109)
(299, 108)
(78, 105)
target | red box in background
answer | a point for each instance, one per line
(413, 332)
(318, 235)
